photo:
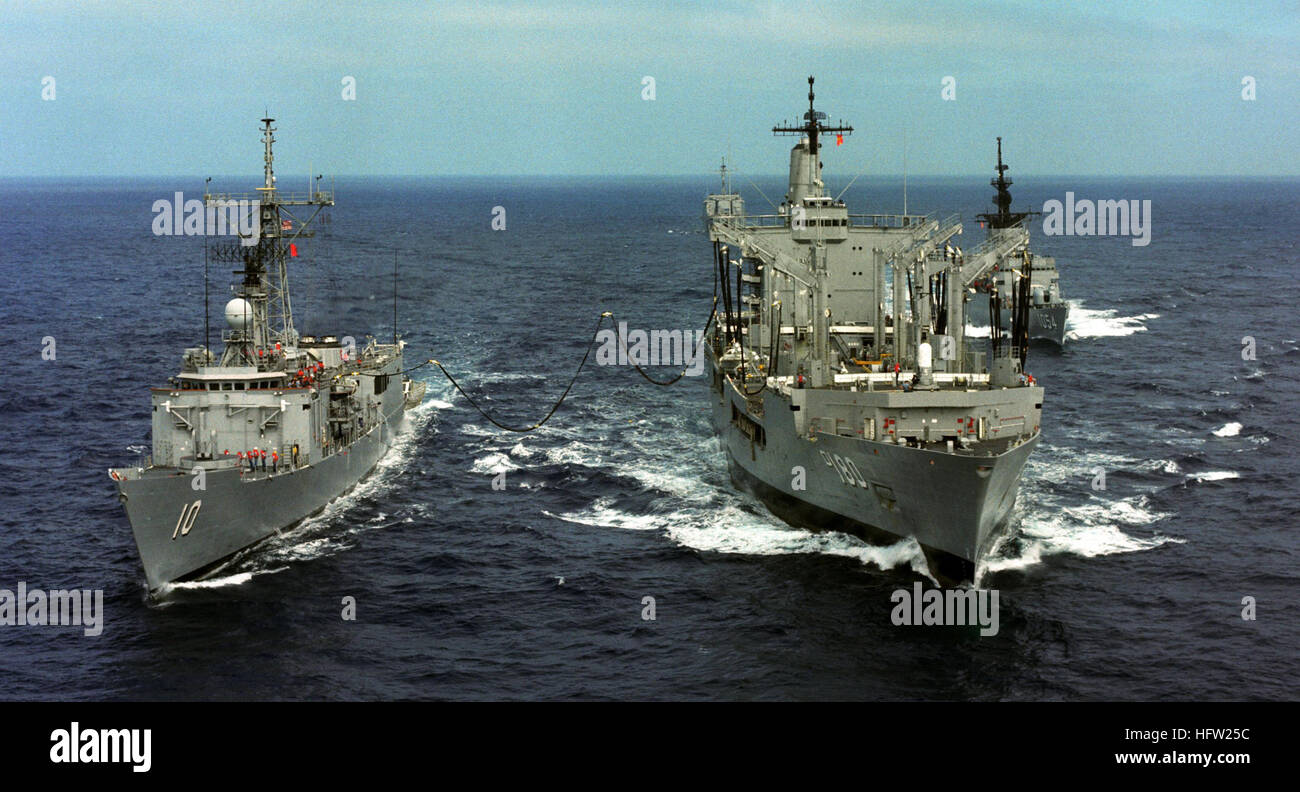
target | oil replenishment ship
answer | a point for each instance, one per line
(281, 425)
(1048, 310)
(846, 405)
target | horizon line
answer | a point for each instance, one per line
(611, 176)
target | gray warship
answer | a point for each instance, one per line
(846, 404)
(250, 444)
(1048, 310)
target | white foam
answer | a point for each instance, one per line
(1088, 323)
(493, 464)
(727, 528)
(1228, 430)
(1031, 555)
(1086, 530)
(1166, 466)
(226, 581)
(474, 430)
(1066, 465)
(576, 453)
(1104, 323)
(758, 539)
(1215, 475)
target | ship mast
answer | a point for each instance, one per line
(812, 129)
(279, 313)
(265, 285)
(806, 183)
(1004, 218)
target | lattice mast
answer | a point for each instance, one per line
(265, 284)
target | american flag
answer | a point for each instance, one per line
(286, 225)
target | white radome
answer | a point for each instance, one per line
(239, 314)
(924, 356)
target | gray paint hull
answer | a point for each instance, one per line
(1045, 322)
(953, 505)
(1048, 322)
(236, 511)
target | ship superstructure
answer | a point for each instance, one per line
(846, 393)
(1048, 310)
(280, 424)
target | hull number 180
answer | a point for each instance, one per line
(847, 471)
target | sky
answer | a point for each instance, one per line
(491, 88)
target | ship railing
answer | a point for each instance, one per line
(954, 379)
(274, 196)
(889, 220)
(286, 466)
(855, 220)
(752, 221)
(1002, 238)
(921, 233)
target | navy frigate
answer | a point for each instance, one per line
(1048, 310)
(845, 390)
(251, 443)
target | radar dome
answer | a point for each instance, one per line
(239, 314)
(924, 355)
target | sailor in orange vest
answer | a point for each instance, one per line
(262, 456)
(240, 454)
(275, 461)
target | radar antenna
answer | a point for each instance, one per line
(812, 126)
(264, 260)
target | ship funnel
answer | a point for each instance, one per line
(803, 174)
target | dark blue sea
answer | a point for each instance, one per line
(536, 591)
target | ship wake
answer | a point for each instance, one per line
(1104, 323)
(697, 510)
(1060, 512)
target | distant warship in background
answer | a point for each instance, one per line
(276, 429)
(841, 411)
(1048, 310)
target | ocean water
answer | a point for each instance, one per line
(536, 591)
